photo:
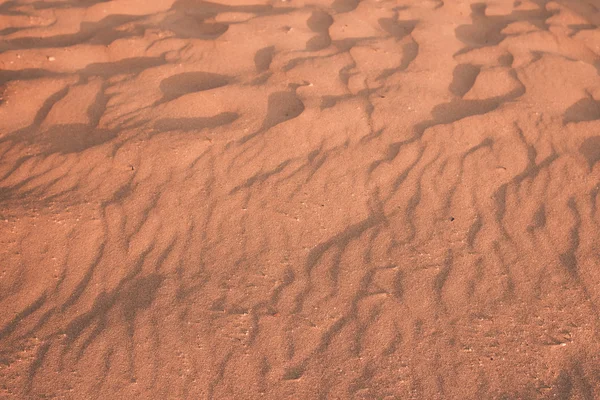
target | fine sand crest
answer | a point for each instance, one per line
(324, 200)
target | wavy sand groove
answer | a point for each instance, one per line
(304, 200)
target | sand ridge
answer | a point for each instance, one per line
(299, 199)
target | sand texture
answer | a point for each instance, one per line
(328, 199)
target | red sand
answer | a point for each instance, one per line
(299, 200)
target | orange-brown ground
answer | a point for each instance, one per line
(337, 199)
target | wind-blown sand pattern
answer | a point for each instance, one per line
(348, 199)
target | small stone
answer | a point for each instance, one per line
(51, 58)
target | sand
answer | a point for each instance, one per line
(297, 199)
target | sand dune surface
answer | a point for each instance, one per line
(299, 199)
